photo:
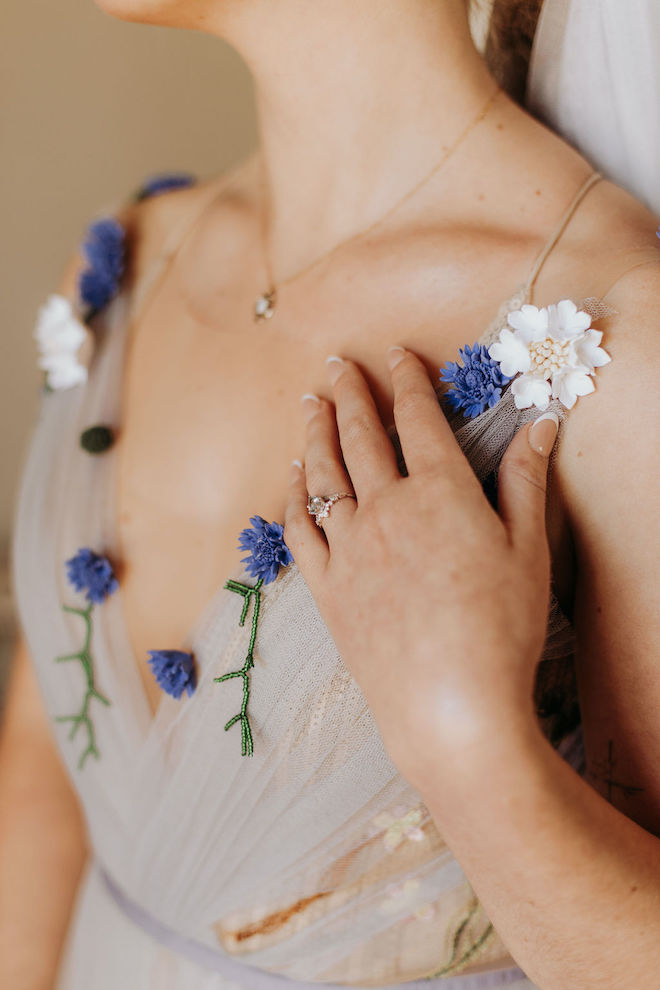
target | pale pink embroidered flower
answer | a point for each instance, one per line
(553, 351)
(399, 895)
(425, 912)
(406, 826)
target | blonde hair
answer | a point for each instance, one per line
(506, 44)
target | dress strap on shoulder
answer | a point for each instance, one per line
(178, 234)
(558, 230)
(638, 264)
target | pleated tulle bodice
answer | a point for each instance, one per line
(313, 857)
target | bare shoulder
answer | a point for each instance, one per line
(155, 223)
(608, 465)
(607, 437)
(608, 234)
(149, 223)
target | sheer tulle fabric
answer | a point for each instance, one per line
(281, 859)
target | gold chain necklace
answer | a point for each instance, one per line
(264, 307)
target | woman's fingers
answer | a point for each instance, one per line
(426, 438)
(324, 466)
(521, 486)
(365, 445)
(301, 534)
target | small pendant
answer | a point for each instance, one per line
(264, 307)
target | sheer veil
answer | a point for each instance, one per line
(594, 77)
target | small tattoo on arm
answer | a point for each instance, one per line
(603, 770)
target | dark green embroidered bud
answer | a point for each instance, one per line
(96, 439)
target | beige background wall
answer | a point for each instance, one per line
(89, 106)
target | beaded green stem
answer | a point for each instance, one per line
(85, 658)
(248, 593)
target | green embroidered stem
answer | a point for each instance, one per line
(248, 593)
(455, 964)
(471, 951)
(85, 658)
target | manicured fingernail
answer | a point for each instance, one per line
(394, 355)
(334, 366)
(296, 468)
(310, 404)
(543, 432)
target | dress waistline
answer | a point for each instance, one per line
(260, 979)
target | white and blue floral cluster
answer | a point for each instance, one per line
(545, 353)
(64, 339)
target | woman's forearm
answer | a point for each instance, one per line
(570, 883)
(42, 840)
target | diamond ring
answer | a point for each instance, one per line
(319, 506)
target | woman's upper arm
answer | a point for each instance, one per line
(31, 768)
(609, 462)
(23, 710)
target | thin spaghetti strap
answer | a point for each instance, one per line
(639, 264)
(176, 238)
(179, 233)
(558, 231)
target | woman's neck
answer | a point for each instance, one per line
(357, 100)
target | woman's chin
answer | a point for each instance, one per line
(166, 13)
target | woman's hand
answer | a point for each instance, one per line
(437, 604)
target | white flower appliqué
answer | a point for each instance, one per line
(554, 352)
(65, 343)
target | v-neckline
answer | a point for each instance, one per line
(521, 295)
(152, 719)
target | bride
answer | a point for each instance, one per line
(399, 196)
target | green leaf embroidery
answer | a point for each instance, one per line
(85, 658)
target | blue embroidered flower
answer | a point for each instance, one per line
(160, 183)
(91, 572)
(104, 249)
(174, 670)
(477, 382)
(267, 551)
